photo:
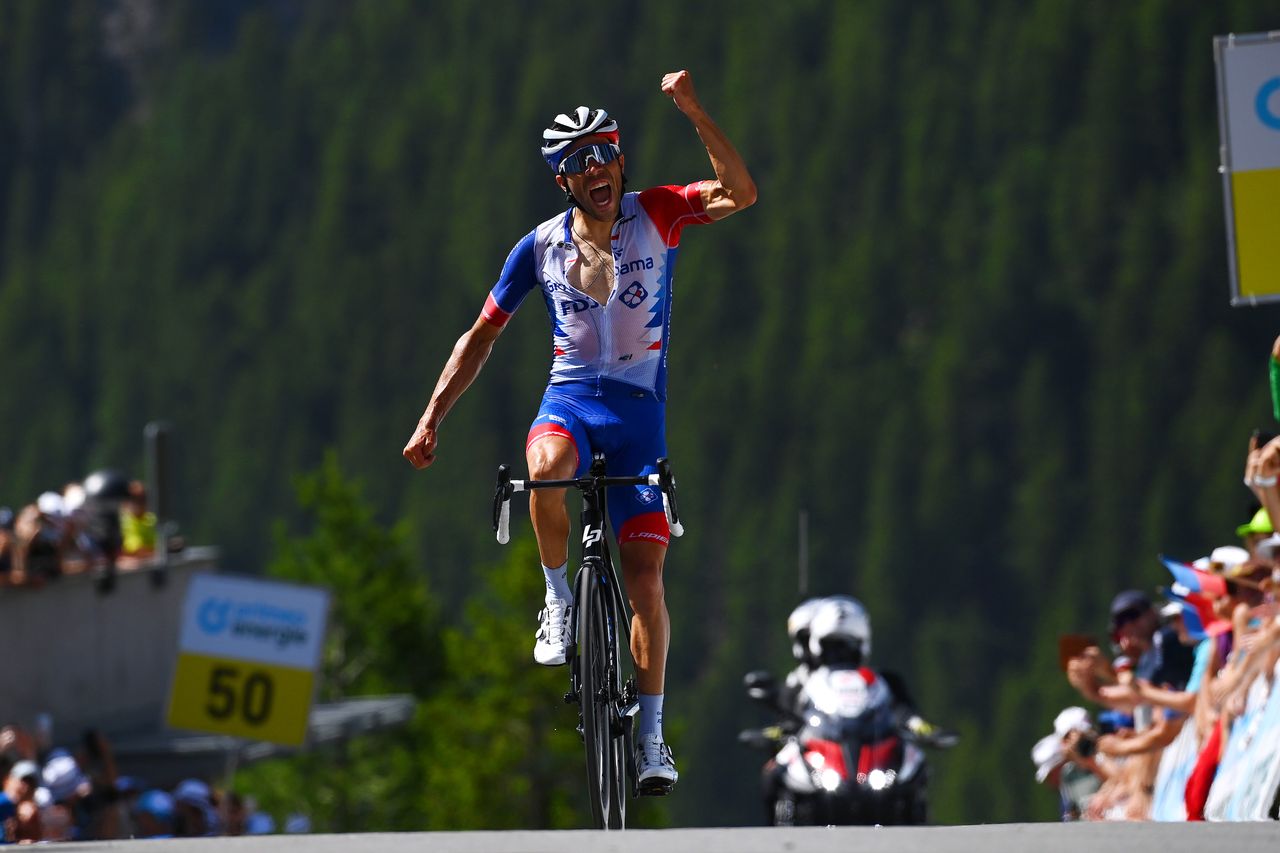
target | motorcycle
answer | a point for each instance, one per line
(840, 755)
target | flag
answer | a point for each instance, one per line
(1195, 580)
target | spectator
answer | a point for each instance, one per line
(1215, 715)
(7, 546)
(259, 823)
(20, 790)
(39, 543)
(1159, 660)
(154, 814)
(81, 552)
(67, 815)
(233, 813)
(137, 525)
(1161, 657)
(1204, 661)
(104, 492)
(1067, 761)
(195, 813)
(1261, 473)
(8, 808)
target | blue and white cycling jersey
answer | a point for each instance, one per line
(625, 339)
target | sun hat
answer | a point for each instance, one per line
(1260, 523)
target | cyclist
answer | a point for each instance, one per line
(604, 269)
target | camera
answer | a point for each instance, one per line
(1086, 746)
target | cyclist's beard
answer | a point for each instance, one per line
(573, 202)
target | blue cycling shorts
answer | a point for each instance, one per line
(626, 424)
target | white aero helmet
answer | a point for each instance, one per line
(569, 127)
(798, 627)
(840, 629)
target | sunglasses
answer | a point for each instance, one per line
(579, 161)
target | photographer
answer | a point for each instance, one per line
(1067, 761)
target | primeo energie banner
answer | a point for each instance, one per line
(1249, 123)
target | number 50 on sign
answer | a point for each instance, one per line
(247, 658)
(251, 700)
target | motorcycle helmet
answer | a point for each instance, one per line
(798, 628)
(840, 632)
(567, 128)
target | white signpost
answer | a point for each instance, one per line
(247, 658)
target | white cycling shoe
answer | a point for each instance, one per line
(655, 769)
(554, 628)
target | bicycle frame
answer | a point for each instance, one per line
(607, 714)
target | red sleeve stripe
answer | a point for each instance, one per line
(494, 315)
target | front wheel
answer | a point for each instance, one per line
(598, 696)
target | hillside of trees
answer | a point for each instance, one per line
(977, 326)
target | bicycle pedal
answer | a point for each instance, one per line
(571, 698)
(656, 787)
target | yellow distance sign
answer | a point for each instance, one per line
(241, 698)
(248, 652)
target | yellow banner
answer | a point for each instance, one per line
(1255, 195)
(241, 698)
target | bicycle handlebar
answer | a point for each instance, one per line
(664, 480)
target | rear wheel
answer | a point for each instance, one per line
(600, 687)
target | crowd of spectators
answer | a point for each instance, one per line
(58, 794)
(1188, 669)
(101, 524)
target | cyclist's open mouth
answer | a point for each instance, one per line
(601, 193)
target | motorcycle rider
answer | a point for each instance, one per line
(798, 632)
(836, 633)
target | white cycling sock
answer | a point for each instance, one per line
(650, 715)
(558, 583)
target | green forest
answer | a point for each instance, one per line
(977, 327)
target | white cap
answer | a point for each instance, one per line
(50, 503)
(1046, 755)
(24, 770)
(1227, 557)
(1071, 719)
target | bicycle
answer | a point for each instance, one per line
(607, 700)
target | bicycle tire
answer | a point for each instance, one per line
(599, 689)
